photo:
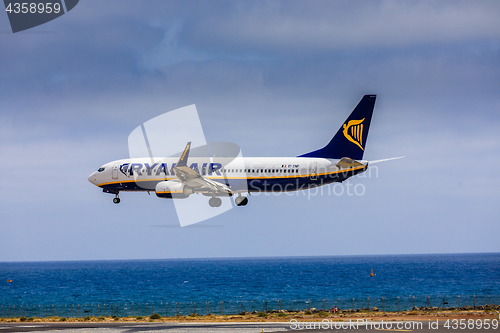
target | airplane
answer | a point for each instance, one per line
(178, 178)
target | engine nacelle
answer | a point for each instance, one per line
(171, 189)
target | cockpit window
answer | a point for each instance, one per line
(101, 169)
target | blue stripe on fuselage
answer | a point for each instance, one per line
(263, 184)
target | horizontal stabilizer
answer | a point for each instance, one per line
(347, 162)
(386, 159)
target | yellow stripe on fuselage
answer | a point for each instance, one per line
(234, 178)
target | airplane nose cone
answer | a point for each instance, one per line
(92, 178)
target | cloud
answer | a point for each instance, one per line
(297, 28)
(46, 171)
(277, 78)
(200, 49)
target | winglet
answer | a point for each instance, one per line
(184, 156)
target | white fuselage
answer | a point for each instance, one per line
(242, 174)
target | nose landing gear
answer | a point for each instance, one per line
(116, 199)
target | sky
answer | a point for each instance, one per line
(278, 78)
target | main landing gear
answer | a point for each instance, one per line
(116, 199)
(215, 202)
(241, 201)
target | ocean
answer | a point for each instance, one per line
(232, 285)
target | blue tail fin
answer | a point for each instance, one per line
(351, 138)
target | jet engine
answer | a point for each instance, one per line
(172, 189)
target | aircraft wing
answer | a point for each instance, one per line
(193, 179)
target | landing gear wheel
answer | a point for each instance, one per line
(215, 202)
(241, 201)
(116, 200)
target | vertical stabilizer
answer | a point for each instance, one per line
(350, 139)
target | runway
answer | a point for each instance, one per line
(422, 326)
(145, 327)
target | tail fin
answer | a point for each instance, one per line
(351, 138)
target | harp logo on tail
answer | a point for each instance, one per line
(353, 132)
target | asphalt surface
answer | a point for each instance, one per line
(145, 327)
(420, 327)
